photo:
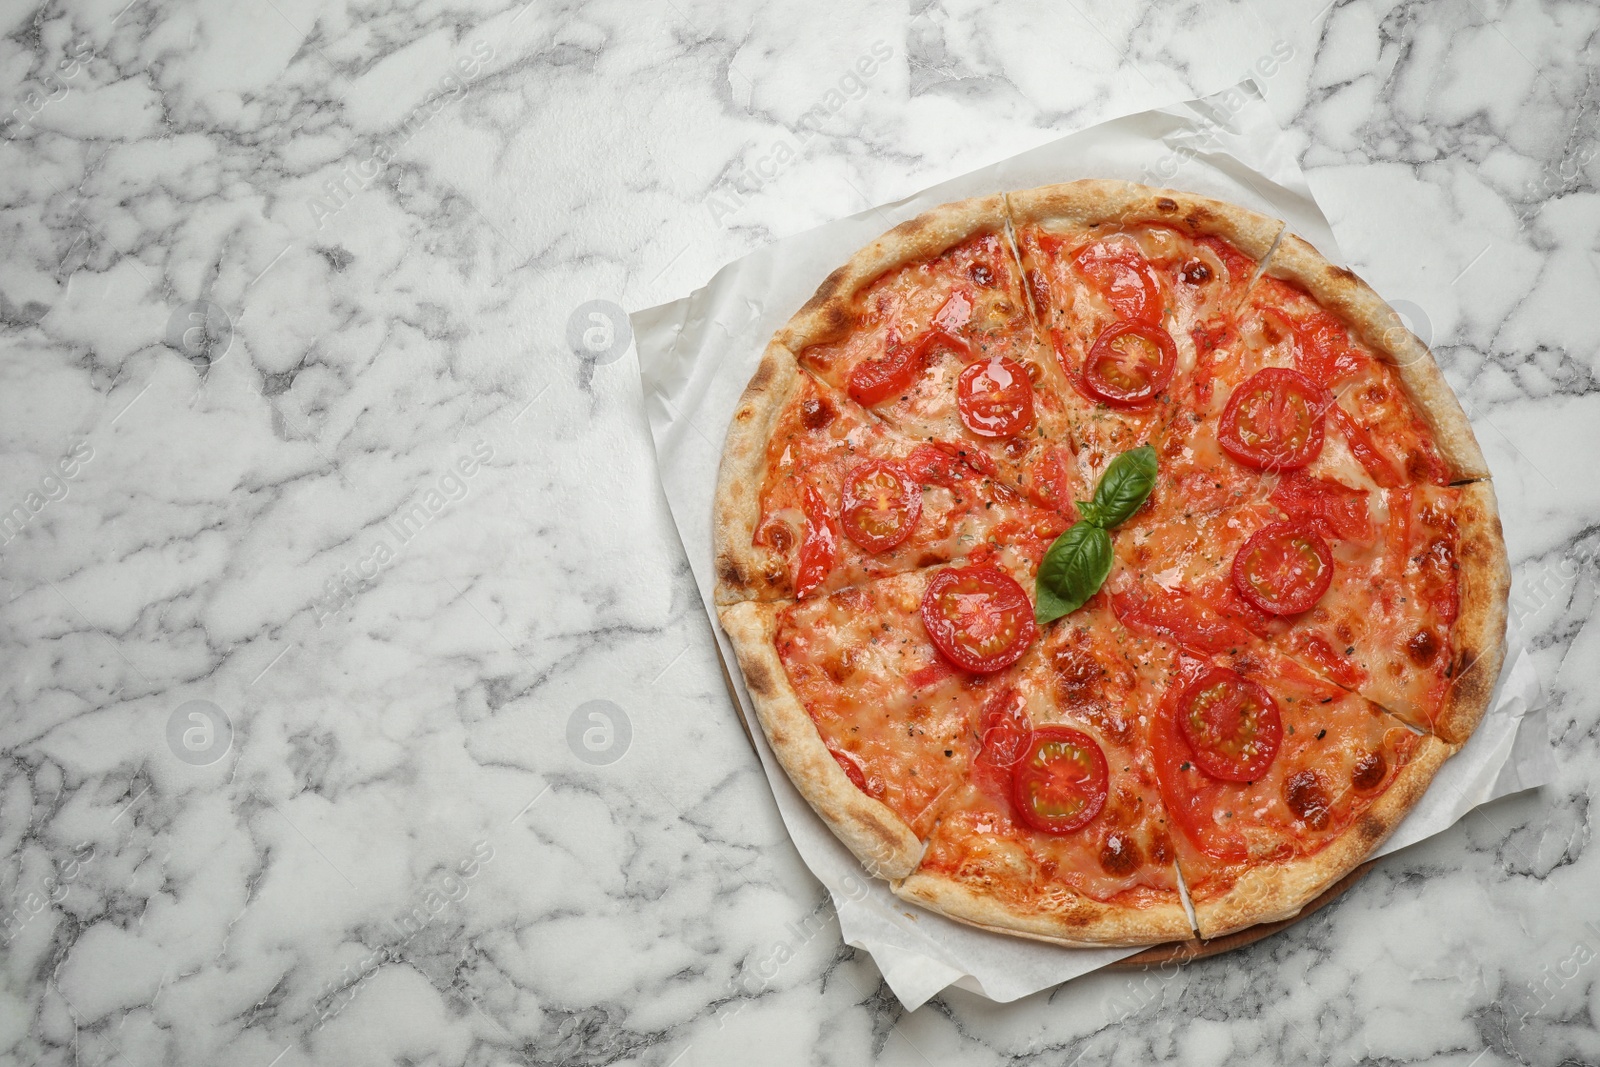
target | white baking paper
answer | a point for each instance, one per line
(696, 354)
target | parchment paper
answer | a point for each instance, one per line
(696, 354)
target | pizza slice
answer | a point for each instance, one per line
(1390, 593)
(926, 327)
(1278, 783)
(1128, 285)
(869, 695)
(817, 494)
(1059, 831)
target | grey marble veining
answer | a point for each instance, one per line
(358, 707)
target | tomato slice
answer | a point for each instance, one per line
(1322, 349)
(1363, 448)
(1274, 420)
(875, 380)
(819, 545)
(1060, 783)
(1003, 734)
(881, 505)
(1183, 619)
(978, 617)
(1240, 266)
(1129, 364)
(995, 398)
(935, 465)
(1121, 273)
(954, 313)
(1284, 568)
(851, 766)
(1190, 796)
(1334, 507)
(1231, 725)
(1330, 662)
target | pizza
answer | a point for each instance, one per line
(1105, 566)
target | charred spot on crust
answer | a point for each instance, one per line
(1198, 217)
(1166, 205)
(729, 572)
(1344, 274)
(758, 678)
(1422, 647)
(1369, 772)
(1194, 272)
(1160, 848)
(815, 412)
(1370, 828)
(1307, 797)
(1119, 854)
(761, 378)
(827, 290)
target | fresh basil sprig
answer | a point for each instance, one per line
(1079, 561)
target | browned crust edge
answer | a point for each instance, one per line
(1480, 629)
(1079, 922)
(879, 838)
(736, 509)
(1375, 323)
(1264, 894)
(1098, 201)
(830, 312)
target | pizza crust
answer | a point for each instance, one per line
(1109, 204)
(744, 569)
(833, 309)
(1079, 921)
(1480, 627)
(1268, 893)
(880, 839)
(1375, 323)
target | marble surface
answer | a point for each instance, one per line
(358, 706)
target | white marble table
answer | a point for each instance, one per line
(319, 542)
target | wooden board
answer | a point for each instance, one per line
(1195, 949)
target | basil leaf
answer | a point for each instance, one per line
(1124, 487)
(1089, 512)
(1072, 571)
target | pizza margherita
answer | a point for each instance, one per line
(1105, 566)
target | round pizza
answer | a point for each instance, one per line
(1105, 566)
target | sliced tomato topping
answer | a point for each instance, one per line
(1437, 563)
(1190, 796)
(1231, 725)
(1118, 270)
(995, 398)
(1284, 568)
(1003, 731)
(1362, 447)
(954, 313)
(1055, 483)
(936, 465)
(851, 764)
(1335, 508)
(935, 672)
(1180, 618)
(819, 545)
(978, 617)
(1322, 349)
(1274, 420)
(1129, 364)
(875, 380)
(1209, 338)
(1329, 660)
(881, 505)
(1060, 783)
(1240, 266)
